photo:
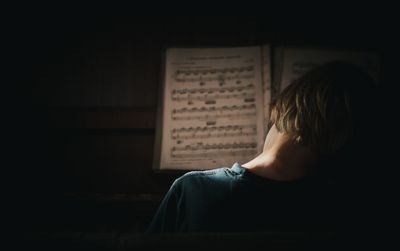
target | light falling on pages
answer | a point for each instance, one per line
(215, 105)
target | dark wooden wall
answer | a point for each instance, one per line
(91, 85)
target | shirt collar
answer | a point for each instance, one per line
(237, 168)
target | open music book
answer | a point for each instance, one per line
(215, 102)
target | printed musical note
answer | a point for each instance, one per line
(214, 154)
(216, 78)
(200, 146)
(213, 132)
(208, 94)
(208, 117)
(249, 87)
(213, 109)
(215, 71)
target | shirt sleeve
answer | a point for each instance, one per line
(166, 217)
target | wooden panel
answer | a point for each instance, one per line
(86, 118)
(98, 161)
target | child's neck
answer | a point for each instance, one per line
(284, 159)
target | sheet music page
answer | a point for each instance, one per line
(298, 61)
(213, 107)
(267, 87)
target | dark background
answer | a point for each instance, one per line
(82, 122)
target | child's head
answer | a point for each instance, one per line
(324, 107)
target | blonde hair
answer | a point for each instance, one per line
(319, 108)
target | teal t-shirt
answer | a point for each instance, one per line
(235, 199)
